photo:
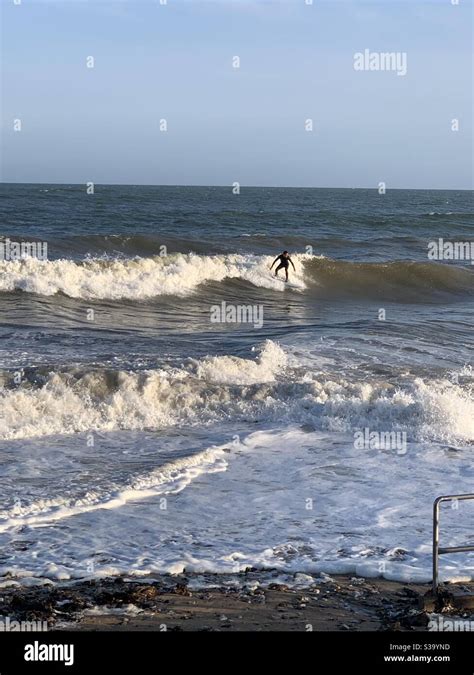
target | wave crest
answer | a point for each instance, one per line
(183, 274)
(268, 389)
(138, 278)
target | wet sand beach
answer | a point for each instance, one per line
(341, 603)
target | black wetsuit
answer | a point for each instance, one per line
(284, 262)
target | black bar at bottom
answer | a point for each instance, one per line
(155, 652)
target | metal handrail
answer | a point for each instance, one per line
(437, 550)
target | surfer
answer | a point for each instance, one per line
(285, 261)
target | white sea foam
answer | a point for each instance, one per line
(68, 404)
(290, 501)
(171, 478)
(234, 370)
(371, 509)
(225, 387)
(141, 278)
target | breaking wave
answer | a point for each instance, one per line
(269, 388)
(183, 274)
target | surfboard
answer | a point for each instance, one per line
(289, 284)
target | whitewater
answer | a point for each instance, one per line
(139, 278)
(138, 437)
(295, 416)
(215, 388)
(143, 278)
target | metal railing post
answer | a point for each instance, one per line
(437, 550)
(435, 544)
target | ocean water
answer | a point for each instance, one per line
(137, 436)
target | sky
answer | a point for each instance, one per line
(175, 62)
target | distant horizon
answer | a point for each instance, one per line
(258, 187)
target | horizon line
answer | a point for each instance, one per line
(230, 186)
